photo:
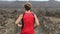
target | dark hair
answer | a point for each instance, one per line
(27, 6)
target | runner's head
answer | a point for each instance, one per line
(27, 6)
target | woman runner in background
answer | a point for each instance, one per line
(29, 20)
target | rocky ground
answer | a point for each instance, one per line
(49, 21)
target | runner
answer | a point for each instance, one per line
(29, 20)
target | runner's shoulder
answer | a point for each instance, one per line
(34, 13)
(21, 15)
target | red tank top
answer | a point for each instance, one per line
(28, 20)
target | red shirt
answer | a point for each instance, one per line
(28, 19)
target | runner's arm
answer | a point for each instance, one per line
(36, 21)
(18, 20)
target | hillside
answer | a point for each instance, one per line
(18, 4)
(48, 14)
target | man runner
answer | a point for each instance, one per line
(29, 20)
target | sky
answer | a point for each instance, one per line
(24, 0)
(57, 0)
(28, 0)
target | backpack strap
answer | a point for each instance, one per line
(33, 15)
(22, 21)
